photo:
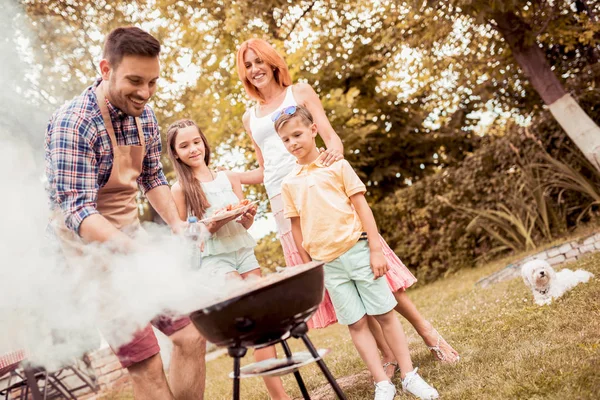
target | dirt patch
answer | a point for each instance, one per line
(347, 382)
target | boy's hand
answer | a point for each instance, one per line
(379, 264)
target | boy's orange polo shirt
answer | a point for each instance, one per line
(320, 196)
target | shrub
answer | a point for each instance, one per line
(429, 224)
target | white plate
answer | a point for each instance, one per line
(237, 212)
(280, 366)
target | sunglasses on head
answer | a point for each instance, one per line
(288, 110)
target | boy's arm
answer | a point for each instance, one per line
(378, 261)
(297, 235)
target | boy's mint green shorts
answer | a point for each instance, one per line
(353, 289)
(241, 261)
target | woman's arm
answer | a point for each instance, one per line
(379, 264)
(255, 176)
(247, 218)
(297, 235)
(306, 96)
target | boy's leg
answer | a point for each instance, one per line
(387, 356)
(350, 311)
(394, 336)
(367, 348)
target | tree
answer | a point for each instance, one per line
(520, 23)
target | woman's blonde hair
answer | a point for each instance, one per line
(271, 57)
(195, 198)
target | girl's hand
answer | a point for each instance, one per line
(329, 156)
(379, 264)
(214, 226)
(247, 218)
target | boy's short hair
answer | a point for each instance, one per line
(301, 112)
(129, 41)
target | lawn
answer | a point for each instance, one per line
(510, 348)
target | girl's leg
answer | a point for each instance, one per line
(274, 384)
(424, 328)
(387, 356)
(394, 335)
(367, 348)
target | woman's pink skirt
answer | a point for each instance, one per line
(398, 277)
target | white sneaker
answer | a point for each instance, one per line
(385, 390)
(415, 385)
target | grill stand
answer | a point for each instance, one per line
(298, 332)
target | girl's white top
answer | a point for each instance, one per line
(278, 162)
(232, 236)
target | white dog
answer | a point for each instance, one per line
(547, 284)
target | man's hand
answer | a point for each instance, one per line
(179, 227)
(329, 156)
(379, 264)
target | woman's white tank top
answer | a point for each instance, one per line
(278, 162)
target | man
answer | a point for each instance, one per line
(99, 148)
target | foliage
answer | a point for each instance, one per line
(430, 224)
(405, 84)
(269, 253)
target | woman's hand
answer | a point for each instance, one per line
(247, 218)
(329, 156)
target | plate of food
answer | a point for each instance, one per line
(232, 210)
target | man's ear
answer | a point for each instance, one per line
(105, 69)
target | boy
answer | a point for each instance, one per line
(331, 222)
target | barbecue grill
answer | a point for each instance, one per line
(270, 312)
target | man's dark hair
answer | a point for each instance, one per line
(129, 41)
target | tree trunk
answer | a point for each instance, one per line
(532, 60)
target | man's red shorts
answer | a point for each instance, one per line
(144, 344)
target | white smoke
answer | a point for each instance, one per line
(53, 310)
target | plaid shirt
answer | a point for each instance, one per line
(79, 154)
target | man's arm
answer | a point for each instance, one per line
(378, 261)
(154, 183)
(161, 199)
(297, 235)
(72, 160)
(96, 228)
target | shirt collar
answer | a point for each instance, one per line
(114, 112)
(301, 167)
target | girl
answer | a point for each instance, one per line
(201, 191)
(266, 79)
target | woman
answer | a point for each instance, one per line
(266, 79)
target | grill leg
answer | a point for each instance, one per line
(32, 384)
(288, 354)
(237, 353)
(300, 332)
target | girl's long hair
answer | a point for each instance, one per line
(195, 198)
(271, 57)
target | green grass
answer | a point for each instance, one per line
(510, 348)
